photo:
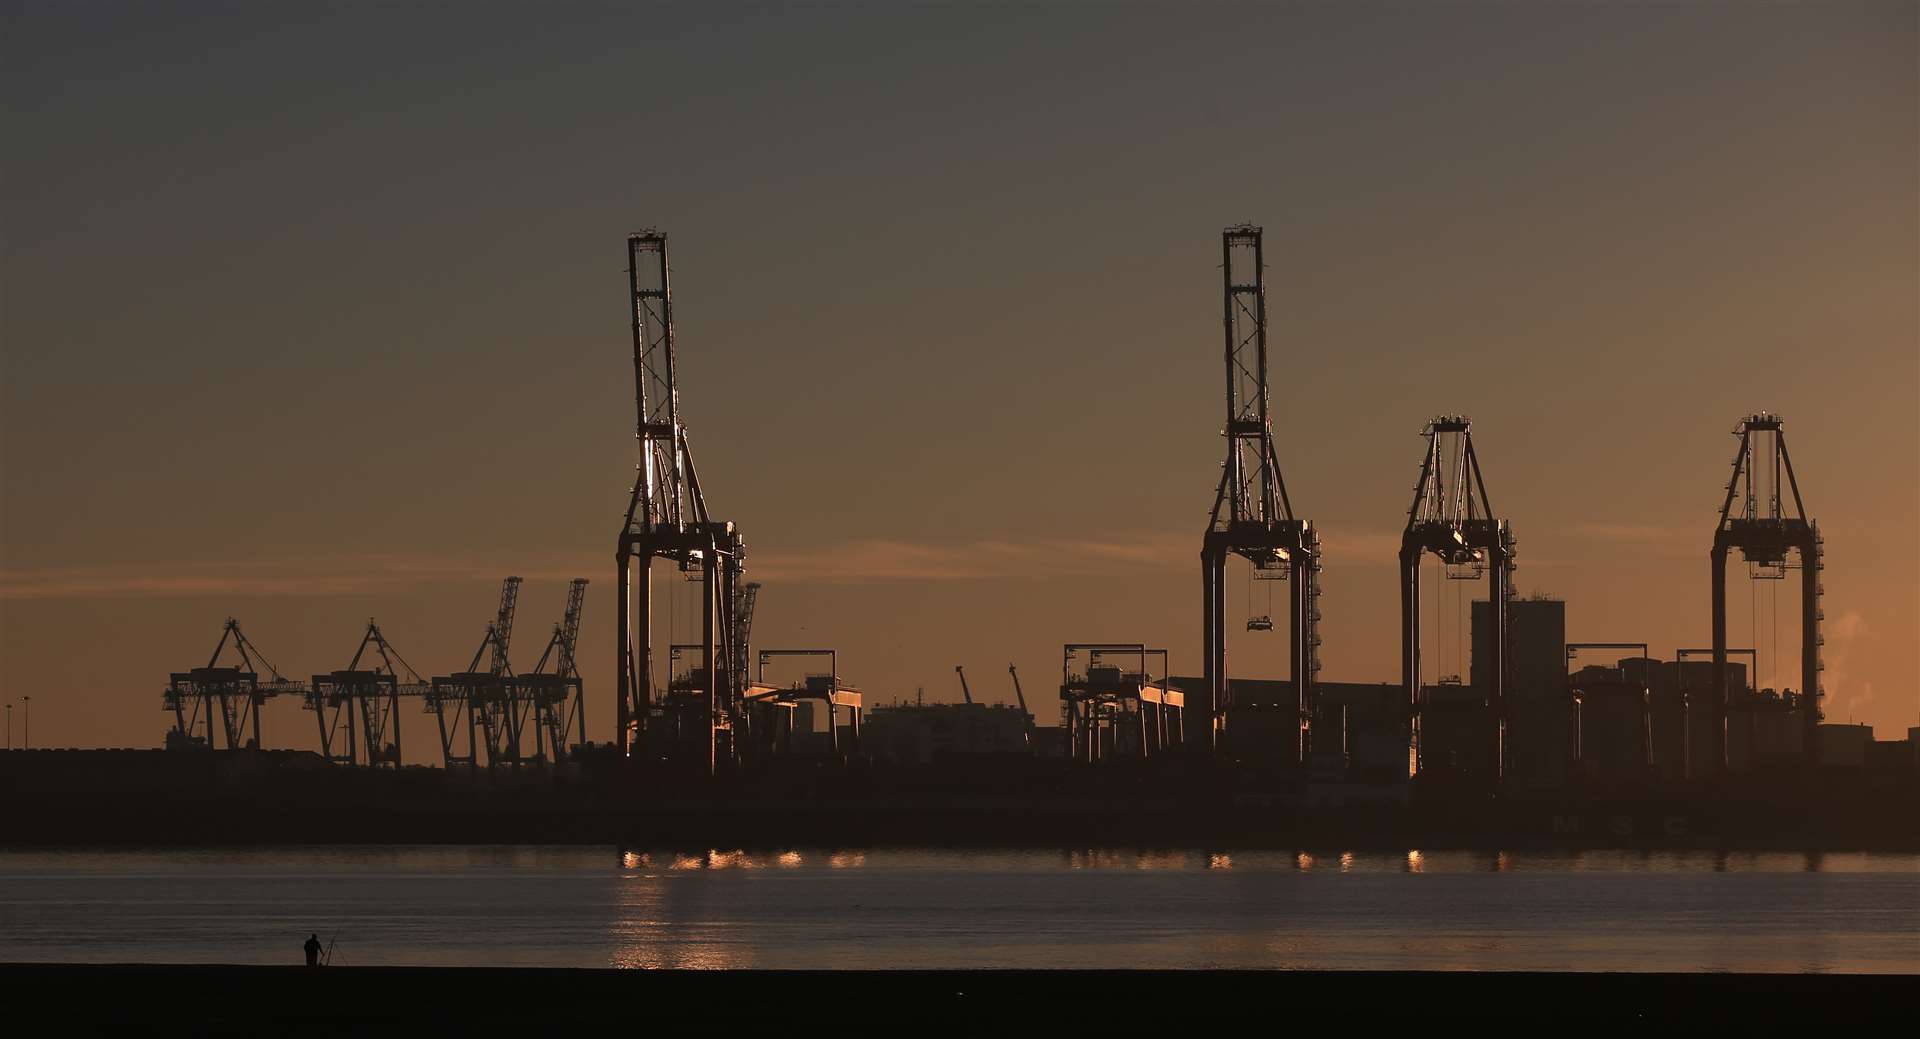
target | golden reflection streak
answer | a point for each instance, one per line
(847, 859)
(1219, 862)
(1303, 862)
(1416, 862)
(650, 928)
(1346, 861)
(1161, 860)
(789, 859)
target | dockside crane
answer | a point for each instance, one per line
(1452, 519)
(1755, 518)
(365, 702)
(503, 713)
(688, 725)
(235, 693)
(965, 693)
(1252, 516)
(556, 695)
(481, 700)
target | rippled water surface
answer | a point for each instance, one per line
(906, 908)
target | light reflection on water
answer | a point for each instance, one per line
(881, 907)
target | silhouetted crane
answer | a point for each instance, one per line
(235, 693)
(1452, 519)
(1754, 518)
(1252, 516)
(481, 701)
(557, 696)
(367, 701)
(667, 519)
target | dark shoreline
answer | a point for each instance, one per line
(159, 799)
(1664, 825)
(219, 999)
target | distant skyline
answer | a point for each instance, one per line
(315, 312)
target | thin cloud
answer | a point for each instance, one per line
(891, 560)
(327, 575)
(1647, 537)
(850, 562)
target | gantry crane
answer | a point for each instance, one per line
(1252, 516)
(1112, 704)
(667, 519)
(1452, 519)
(482, 701)
(366, 703)
(235, 693)
(555, 697)
(1754, 519)
(775, 706)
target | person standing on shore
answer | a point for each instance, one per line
(313, 950)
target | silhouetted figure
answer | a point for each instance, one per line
(313, 950)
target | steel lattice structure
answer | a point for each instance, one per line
(555, 697)
(694, 716)
(1755, 519)
(234, 693)
(483, 703)
(1452, 519)
(365, 702)
(1252, 516)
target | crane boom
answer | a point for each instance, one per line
(570, 626)
(964, 691)
(502, 633)
(1026, 716)
(744, 599)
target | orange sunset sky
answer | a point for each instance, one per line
(315, 313)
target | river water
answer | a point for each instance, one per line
(900, 908)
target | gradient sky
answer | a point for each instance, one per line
(316, 312)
